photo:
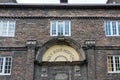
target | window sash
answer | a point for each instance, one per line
(113, 63)
(112, 28)
(60, 28)
(7, 28)
(53, 29)
(5, 65)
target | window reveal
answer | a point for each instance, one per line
(5, 65)
(60, 28)
(113, 63)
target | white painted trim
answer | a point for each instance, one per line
(114, 65)
(62, 22)
(111, 28)
(8, 25)
(3, 69)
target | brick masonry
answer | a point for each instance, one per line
(7, 1)
(24, 68)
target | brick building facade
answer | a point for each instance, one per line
(113, 1)
(59, 42)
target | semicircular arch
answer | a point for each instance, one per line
(60, 50)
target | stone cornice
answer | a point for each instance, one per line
(84, 47)
(13, 48)
(103, 47)
(107, 47)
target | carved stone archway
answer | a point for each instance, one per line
(61, 53)
(60, 49)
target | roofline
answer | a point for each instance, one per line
(60, 6)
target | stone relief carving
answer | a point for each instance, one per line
(77, 71)
(44, 72)
(61, 76)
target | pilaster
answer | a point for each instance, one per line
(31, 44)
(90, 44)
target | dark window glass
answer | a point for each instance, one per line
(63, 1)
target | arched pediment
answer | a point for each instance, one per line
(60, 51)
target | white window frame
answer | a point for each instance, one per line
(111, 28)
(114, 65)
(63, 22)
(8, 28)
(3, 66)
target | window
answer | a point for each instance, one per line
(5, 65)
(7, 28)
(60, 28)
(63, 1)
(112, 28)
(113, 63)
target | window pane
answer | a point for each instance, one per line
(67, 28)
(108, 32)
(119, 28)
(60, 28)
(7, 28)
(53, 28)
(114, 29)
(11, 28)
(109, 64)
(4, 28)
(112, 67)
(7, 65)
(1, 64)
(117, 63)
(114, 64)
(63, 1)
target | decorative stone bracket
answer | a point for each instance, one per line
(31, 43)
(89, 43)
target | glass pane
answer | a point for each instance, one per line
(119, 28)
(63, 1)
(109, 64)
(8, 71)
(1, 64)
(5, 71)
(117, 63)
(4, 28)
(7, 65)
(114, 29)
(108, 32)
(111, 59)
(53, 28)
(11, 28)
(67, 28)
(60, 28)
(0, 28)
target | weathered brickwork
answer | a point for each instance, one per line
(39, 29)
(18, 65)
(113, 1)
(101, 65)
(59, 13)
(34, 24)
(7, 1)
